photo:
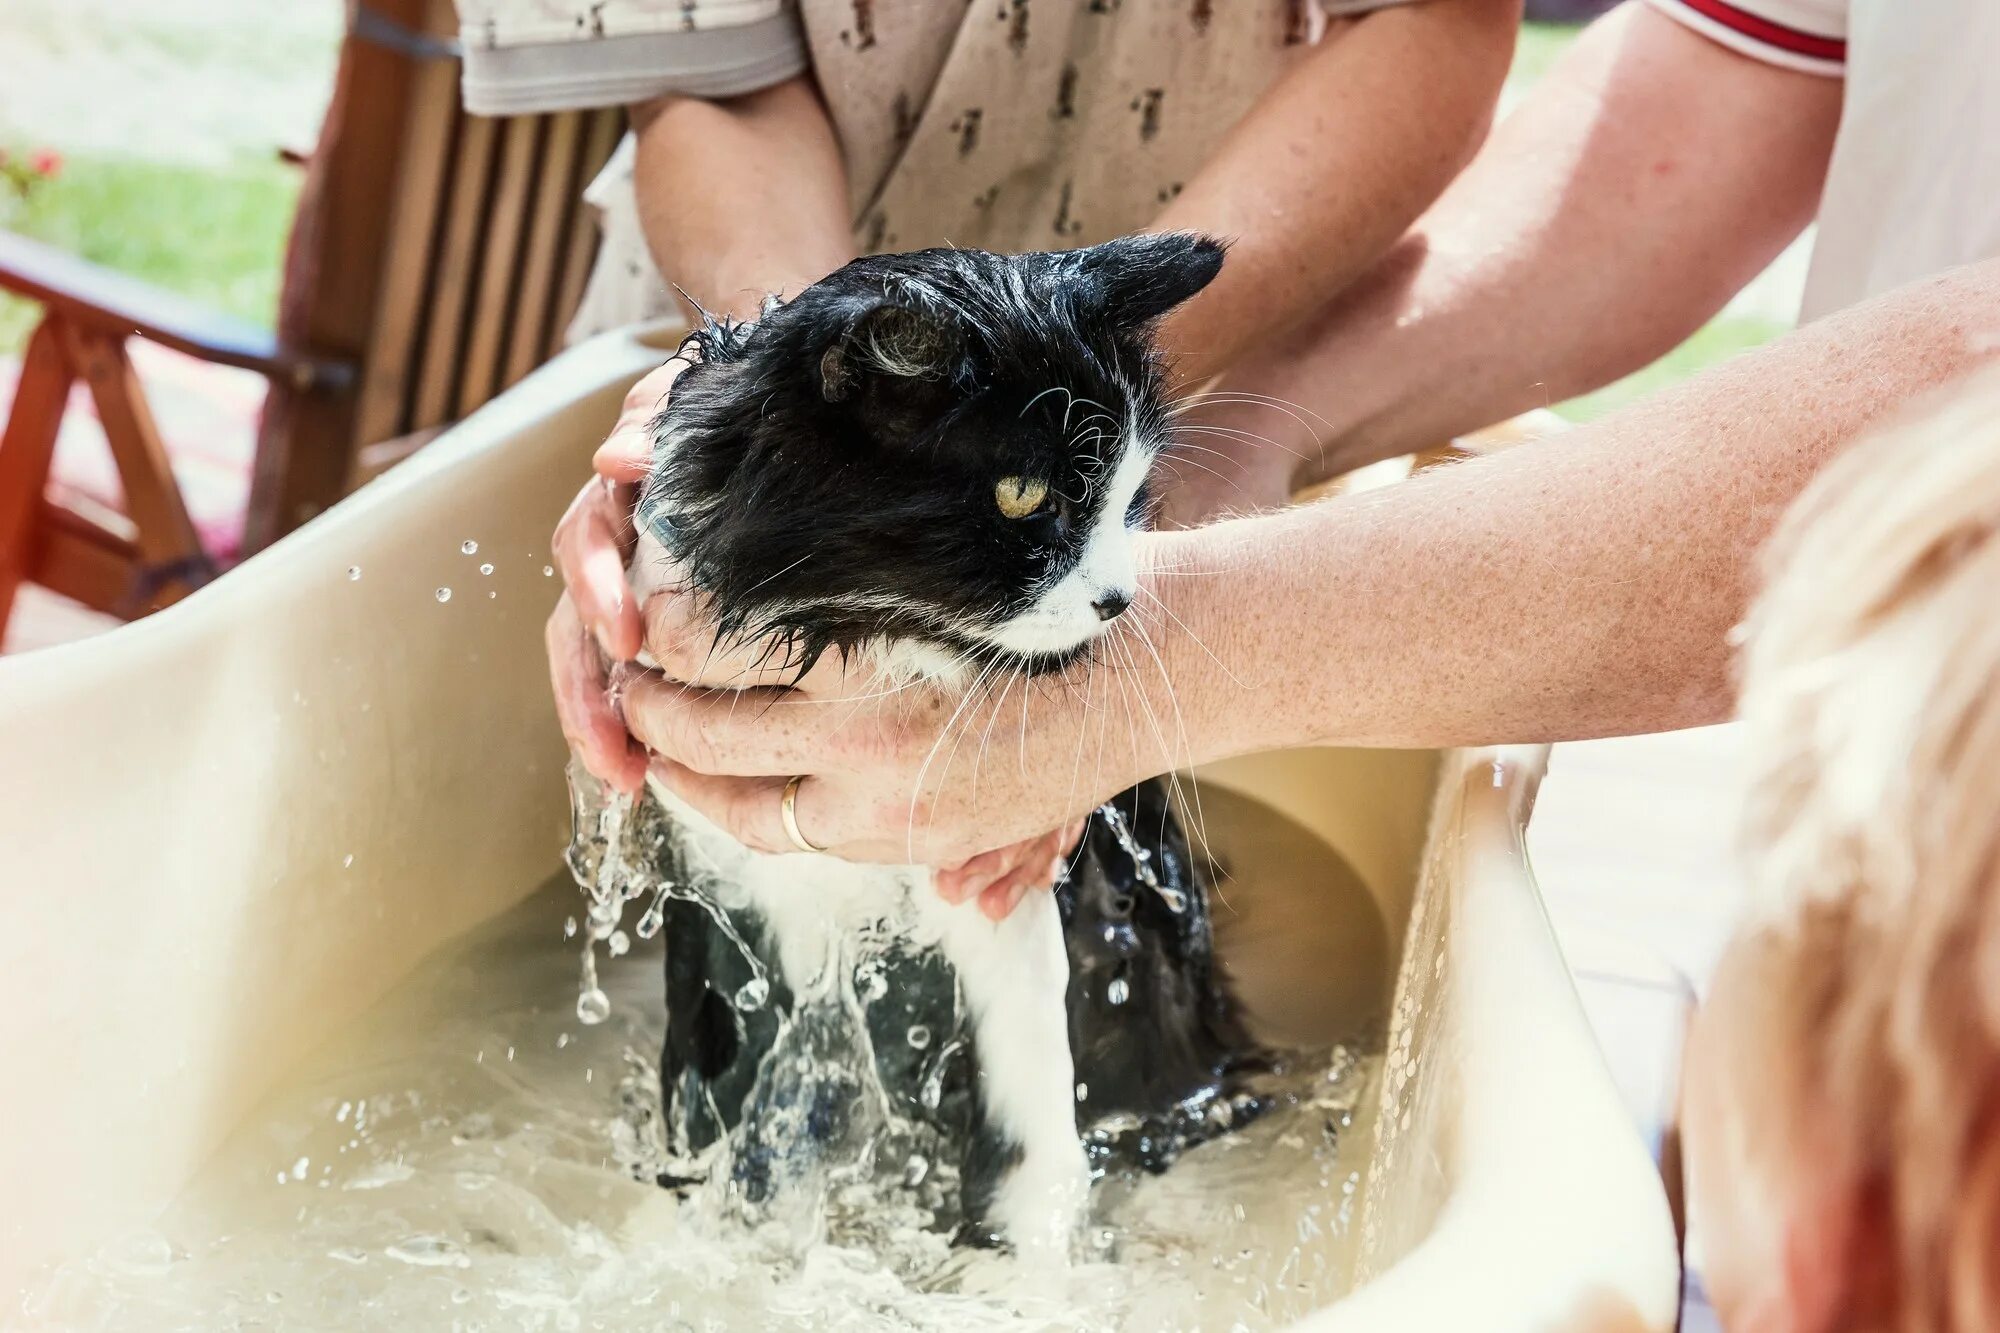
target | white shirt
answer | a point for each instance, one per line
(1914, 184)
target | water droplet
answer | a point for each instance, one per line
(1118, 991)
(347, 860)
(444, 594)
(1082, 1091)
(915, 1170)
(428, 1252)
(919, 1037)
(459, 1296)
(353, 573)
(592, 1008)
(650, 922)
(493, 594)
(619, 943)
(300, 1167)
(753, 993)
(548, 571)
(486, 569)
(569, 928)
(347, 1254)
(469, 546)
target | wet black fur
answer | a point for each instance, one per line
(1155, 1036)
(825, 494)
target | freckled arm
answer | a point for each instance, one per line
(1647, 178)
(1331, 164)
(1581, 586)
(742, 196)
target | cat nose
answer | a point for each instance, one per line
(1111, 605)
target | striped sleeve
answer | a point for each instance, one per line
(526, 56)
(1806, 35)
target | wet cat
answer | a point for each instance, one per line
(936, 462)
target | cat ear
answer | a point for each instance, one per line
(890, 340)
(1137, 279)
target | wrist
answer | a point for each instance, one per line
(1192, 677)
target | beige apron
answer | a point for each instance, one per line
(1005, 124)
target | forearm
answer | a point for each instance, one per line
(1646, 180)
(742, 197)
(1331, 166)
(1582, 586)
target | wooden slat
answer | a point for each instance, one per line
(554, 189)
(86, 563)
(381, 410)
(451, 285)
(499, 271)
(580, 251)
(152, 496)
(333, 277)
(91, 297)
(26, 447)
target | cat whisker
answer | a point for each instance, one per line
(1193, 784)
(1243, 397)
(1237, 433)
(1053, 388)
(1168, 611)
(917, 788)
(986, 736)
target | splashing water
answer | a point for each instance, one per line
(468, 547)
(476, 1158)
(482, 1149)
(1142, 857)
(613, 855)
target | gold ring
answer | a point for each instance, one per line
(788, 808)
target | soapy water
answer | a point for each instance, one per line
(481, 1150)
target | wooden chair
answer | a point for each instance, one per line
(436, 259)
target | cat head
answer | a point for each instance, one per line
(946, 449)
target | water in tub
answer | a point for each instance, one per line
(478, 1152)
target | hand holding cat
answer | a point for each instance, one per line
(597, 618)
(682, 642)
(910, 774)
(597, 621)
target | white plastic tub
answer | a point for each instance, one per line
(227, 829)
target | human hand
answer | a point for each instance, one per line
(684, 641)
(1001, 878)
(597, 622)
(915, 774)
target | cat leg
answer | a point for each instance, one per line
(1014, 975)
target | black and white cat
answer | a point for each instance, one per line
(935, 463)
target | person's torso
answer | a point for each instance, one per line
(1018, 125)
(1914, 183)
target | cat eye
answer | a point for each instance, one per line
(1019, 497)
